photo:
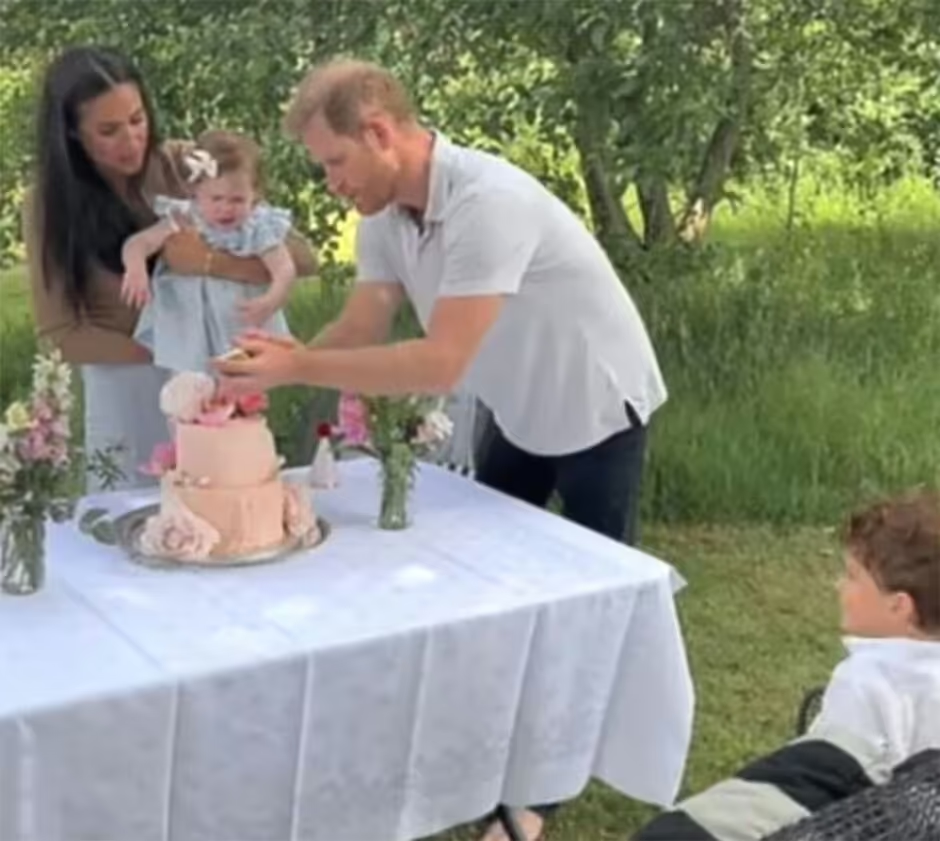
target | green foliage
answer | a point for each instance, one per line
(671, 102)
(799, 363)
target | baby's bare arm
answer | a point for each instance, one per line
(281, 266)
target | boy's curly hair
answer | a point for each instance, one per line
(898, 541)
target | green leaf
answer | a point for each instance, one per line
(104, 532)
(87, 521)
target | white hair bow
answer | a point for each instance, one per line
(201, 165)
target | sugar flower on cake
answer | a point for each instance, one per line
(249, 405)
(178, 533)
(162, 459)
(299, 519)
(194, 397)
(186, 396)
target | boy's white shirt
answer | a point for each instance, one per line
(888, 692)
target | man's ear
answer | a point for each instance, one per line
(377, 133)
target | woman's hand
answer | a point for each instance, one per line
(186, 253)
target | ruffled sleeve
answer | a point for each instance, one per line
(172, 209)
(264, 229)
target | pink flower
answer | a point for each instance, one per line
(178, 533)
(43, 411)
(252, 404)
(216, 413)
(353, 420)
(36, 445)
(299, 519)
(162, 459)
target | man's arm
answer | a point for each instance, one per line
(430, 365)
(492, 239)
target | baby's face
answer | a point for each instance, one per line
(226, 201)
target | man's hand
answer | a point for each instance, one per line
(135, 288)
(272, 361)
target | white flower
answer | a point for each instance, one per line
(185, 395)
(434, 429)
(52, 378)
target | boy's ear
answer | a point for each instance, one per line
(904, 607)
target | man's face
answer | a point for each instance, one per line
(362, 169)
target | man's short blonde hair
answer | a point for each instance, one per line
(342, 90)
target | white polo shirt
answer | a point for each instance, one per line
(569, 347)
(888, 692)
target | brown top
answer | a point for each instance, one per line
(102, 331)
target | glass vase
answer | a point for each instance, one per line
(397, 471)
(22, 552)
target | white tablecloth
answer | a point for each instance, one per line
(386, 685)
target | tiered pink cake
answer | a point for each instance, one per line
(222, 493)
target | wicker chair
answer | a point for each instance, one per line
(906, 808)
(809, 709)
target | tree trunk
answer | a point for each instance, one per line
(708, 188)
(658, 225)
(611, 223)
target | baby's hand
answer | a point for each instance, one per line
(135, 288)
(257, 311)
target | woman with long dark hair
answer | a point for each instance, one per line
(99, 161)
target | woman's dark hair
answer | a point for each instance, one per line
(83, 221)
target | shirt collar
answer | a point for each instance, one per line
(893, 647)
(441, 154)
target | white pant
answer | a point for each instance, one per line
(122, 407)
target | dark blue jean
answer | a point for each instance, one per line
(599, 487)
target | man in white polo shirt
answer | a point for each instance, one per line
(519, 303)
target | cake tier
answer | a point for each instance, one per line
(238, 454)
(248, 519)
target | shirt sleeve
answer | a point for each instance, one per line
(857, 701)
(266, 228)
(373, 262)
(78, 337)
(489, 242)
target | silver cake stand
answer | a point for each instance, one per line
(129, 527)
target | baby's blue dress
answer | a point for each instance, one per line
(191, 319)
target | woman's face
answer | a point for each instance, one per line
(114, 130)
